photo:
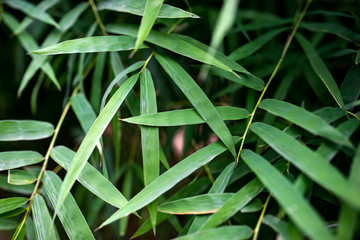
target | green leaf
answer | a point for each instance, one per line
(83, 111)
(15, 130)
(185, 117)
(201, 204)
(234, 204)
(90, 178)
(289, 198)
(198, 99)
(246, 80)
(65, 23)
(92, 137)
(8, 224)
(347, 216)
(253, 206)
(42, 220)
(32, 11)
(169, 179)
(150, 142)
(333, 28)
(29, 43)
(320, 68)
(21, 189)
(137, 7)
(309, 162)
(152, 9)
(194, 188)
(13, 213)
(90, 44)
(224, 22)
(118, 80)
(305, 119)
(171, 43)
(277, 225)
(69, 213)
(16, 159)
(350, 89)
(8, 204)
(21, 177)
(20, 232)
(253, 46)
(221, 233)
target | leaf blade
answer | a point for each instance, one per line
(15, 130)
(16, 159)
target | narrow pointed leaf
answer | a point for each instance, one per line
(150, 143)
(185, 117)
(90, 44)
(320, 68)
(8, 204)
(335, 29)
(90, 178)
(92, 137)
(69, 213)
(21, 177)
(347, 216)
(278, 225)
(137, 7)
(32, 11)
(198, 99)
(15, 130)
(171, 43)
(20, 232)
(305, 119)
(234, 204)
(289, 198)
(221, 233)
(117, 80)
(253, 46)
(152, 9)
(42, 220)
(309, 162)
(253, 206)
(83, 110)
(21, 189)
(169, 179)
(16, 159)
(202, 204)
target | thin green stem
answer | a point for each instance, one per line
(354, 115)
(258, 225)
(97, 17)
(286, 47)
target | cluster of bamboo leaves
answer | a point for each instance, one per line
(269, 89)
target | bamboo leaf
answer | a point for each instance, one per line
(32, 11)
(149, 137)
(8, 224)
(169, 179)
(21, 177)
(253, 206)
(185, 117)
(305, 119)
(42, 220)
(281, 227)
(289, 198)
(90, 44)
(234, 204)
(171, 43)
(198, 99)
(309, 162)
(221, 233)
(350, 89)
(16, 159)
(253, 46)
(152, 9)
(9, 204)
(137, 7)
(333, 28)
(69, 213)
(65, 23)
(117, 80)
(90, 178)
(21, 189)
(92, 137)
(320, 68)
(83, 111)
(15, 130)
(347, 216)
(201, 204)
(20, 232)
